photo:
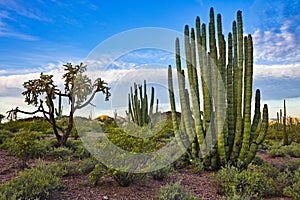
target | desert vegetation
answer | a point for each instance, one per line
(224, 153)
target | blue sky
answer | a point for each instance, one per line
(39, 36)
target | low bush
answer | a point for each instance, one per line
(96, 174)
(74, 168)
(293, 150)
(162, 173)
(60, 153)
(5, 138)
(35, 183)
(175, 191)
(293, 190)
(251, 182)
(197, 165)
(124, 179)
(24, 146)
(291, 165)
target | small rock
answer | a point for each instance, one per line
(105, 197)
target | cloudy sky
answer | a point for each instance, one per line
(114, 39)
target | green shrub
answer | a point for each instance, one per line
(35, 183)
(278, 152)
(86, 165)
(147, 140)
(293, 150)
(251, 182)
(74, 168)
(79, 151)
(258, 161)
(175, 192)
(293, 190)
(60, 153)
(124, 179)
(160, 174)
(5, 138)
(197, 166)
(23, 146)
(96, 174)
(291, 165)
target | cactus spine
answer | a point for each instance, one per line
(225, 132)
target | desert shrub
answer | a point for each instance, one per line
(35, 183)
(86, 165)
(24, 146)
(293, 149)
(96, 174)
(37, 124)
(258, 161)
(197, 165)
(160, 174)
(147, 140)
(79, 151)
(124, 179)
(5, 137)
(251, 182)
(74, 168)
(175, 191)
(279, 152)
(293, 190)
(291, 165)
(60, 153)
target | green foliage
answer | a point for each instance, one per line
(160, 174)
(291, 165)
(160, 134)
(175, 191)
(70, 168)
(124, 179)
(197, 165)
(60, 153)
(5, 137)
(23, 146)
(96, 174)
(292, 150)
(257, 161)
(36, 183)
(79, 151)
(289, 183)
(278, 152)
(251, 182)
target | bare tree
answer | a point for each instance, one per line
(78, 88)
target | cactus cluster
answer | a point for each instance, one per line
(138, 110)
(223, 132)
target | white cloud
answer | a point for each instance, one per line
(277, 71)
(23, 10)
(277, 45)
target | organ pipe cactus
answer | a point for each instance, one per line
(138, 104)
(224, 130)
(285, 134)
